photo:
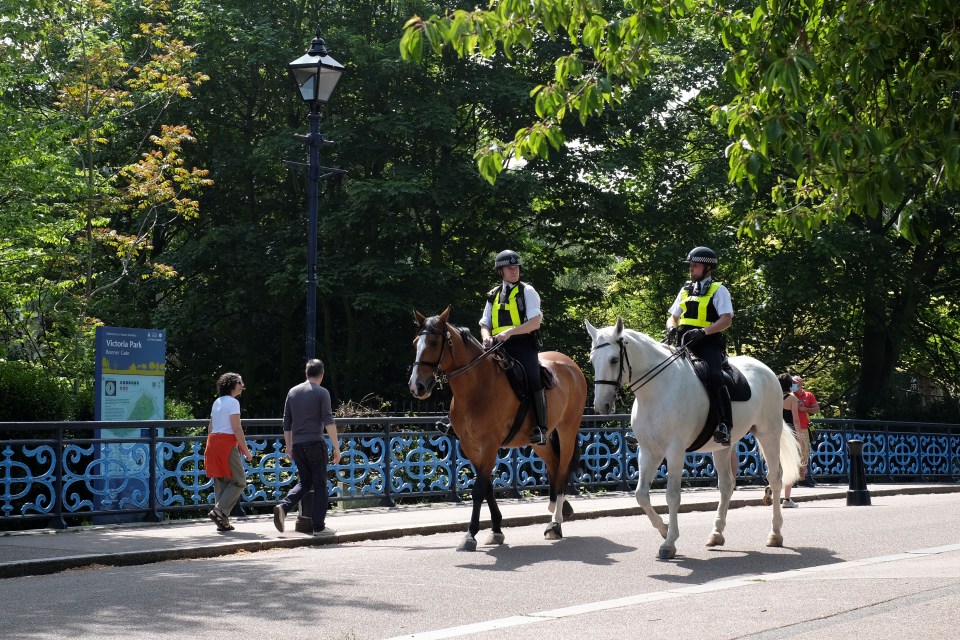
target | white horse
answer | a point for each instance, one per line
(669, 412)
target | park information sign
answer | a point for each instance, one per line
(128, 386)
(130, 367)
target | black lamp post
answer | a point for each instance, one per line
(316, 75)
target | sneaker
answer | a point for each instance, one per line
(279, 514)
(326, 532)
(787, 503)
(443, 425)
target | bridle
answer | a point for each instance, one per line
(439, 374)
(639, 383)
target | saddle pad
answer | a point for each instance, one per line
(737, 386)
(733, 379)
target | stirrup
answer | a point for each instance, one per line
(722, 434)
(539, 436)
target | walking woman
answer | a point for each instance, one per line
(225, 443)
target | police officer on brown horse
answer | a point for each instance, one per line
(699, 315)
(512, 315)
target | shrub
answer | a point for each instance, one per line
(29, 394)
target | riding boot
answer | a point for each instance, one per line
(724, 420)
(539, 435)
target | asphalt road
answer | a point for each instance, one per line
(891, 570)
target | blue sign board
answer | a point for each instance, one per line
(129, 385)
(131, 364)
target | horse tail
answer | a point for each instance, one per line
(789, 455)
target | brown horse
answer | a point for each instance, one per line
(483, 410)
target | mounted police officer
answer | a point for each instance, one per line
(512, 315)
(701, 312)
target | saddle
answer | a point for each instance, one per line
(516, 376)
(736, 386)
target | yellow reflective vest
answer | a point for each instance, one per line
(698, 311)
(506, 314)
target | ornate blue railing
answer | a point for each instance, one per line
(65, 474)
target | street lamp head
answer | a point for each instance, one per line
(315, 73)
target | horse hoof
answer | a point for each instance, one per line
(567, 510)
(775, 540)
(667, 553)
(469, 543)
(495, 538)
(716, 540)
(553, 532)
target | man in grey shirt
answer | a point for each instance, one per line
(305, 415)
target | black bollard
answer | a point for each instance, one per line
(857, 495)
(305, 515)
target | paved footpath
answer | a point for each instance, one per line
(48, 551)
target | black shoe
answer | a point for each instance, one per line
(538, 436)
(807, 482)
(722, 434)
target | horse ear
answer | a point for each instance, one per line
(443, 316)
(419, 317)
(619, 324)
(592, 330)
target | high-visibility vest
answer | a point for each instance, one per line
(509, 313)
(698, 311)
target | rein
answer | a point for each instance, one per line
(445, 376)
(640, 382)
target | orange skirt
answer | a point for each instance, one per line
(216, 457)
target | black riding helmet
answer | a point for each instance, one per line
(704, 255)
(506, 258)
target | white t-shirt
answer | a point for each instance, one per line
(530, 298)
(721, 302)
(223, 408)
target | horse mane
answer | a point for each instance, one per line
(467, 337)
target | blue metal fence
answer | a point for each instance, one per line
(62, 473)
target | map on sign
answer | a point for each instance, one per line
(131, 397)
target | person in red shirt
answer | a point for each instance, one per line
(808, 406)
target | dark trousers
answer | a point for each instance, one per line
(311, 459)
(524, 350)
(710, 350)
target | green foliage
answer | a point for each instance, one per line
(176, 410)
(28, 393)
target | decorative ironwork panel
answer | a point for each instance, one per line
(416, 466)
(602, 455)
(93, 476)
(27, 479)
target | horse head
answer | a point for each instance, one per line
(607, 356)
(432, 342)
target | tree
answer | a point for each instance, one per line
(89, 84)
(851, 117)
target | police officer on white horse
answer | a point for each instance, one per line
(512, 315)
(701, 312)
